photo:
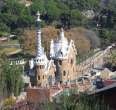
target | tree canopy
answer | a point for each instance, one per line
(16, 16)
(10, 78)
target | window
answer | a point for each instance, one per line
(60, 62)
(86, 79)
(71, 61)
(80, 79)
(41, 66)
(61, 53)
(43, 76)
(64, 73)
(38, 77)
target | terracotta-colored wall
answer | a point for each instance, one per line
(38, 95)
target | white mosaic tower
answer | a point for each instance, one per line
(41, 58)
(58, 48)
(62, 37)
(39, 51)
(44, 68)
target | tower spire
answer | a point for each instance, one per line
(52, 48)
(39, 50)
(62, 34)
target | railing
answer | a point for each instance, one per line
(17, 62)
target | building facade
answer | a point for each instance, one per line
(44, 69)
(62, 64)
(63, 52)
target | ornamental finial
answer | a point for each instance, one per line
(62, 34)
(38, 16)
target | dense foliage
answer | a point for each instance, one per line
(15, 16)
(11, 82)
(81, 102)
(111, 61)
(107, 22)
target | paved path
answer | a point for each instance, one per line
(94, 61)
(14, 52)
(10, 46)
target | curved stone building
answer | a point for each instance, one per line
(62, 64)
(63, 52)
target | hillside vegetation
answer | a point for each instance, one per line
(15, 17)
(83, 44)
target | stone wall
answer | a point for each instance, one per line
(66, 68)
(93, 62)
(45, 77)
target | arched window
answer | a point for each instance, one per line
(62, 53)
(41, 66)
(64, 73)
(71, 61)
(60, 62)
(38, 77)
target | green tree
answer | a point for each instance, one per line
(107, 36)
(10, 79)
(52, 9)
(76, 17)
(13, 7)
(16, 15)
(63, 7)
(25, 21)
(9, 20)
(112, 7)
(4, 28)
(38, 5)
(81, 102)
(81, 4)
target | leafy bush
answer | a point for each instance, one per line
(81, 102)
(9, 101)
